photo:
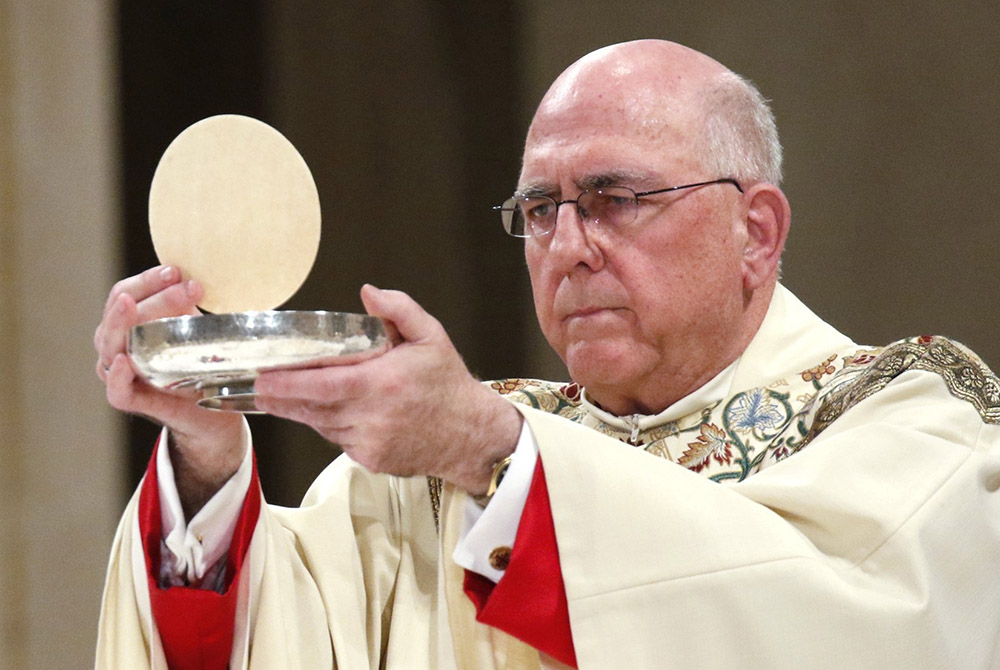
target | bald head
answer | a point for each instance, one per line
(642, 72)
(654, 90)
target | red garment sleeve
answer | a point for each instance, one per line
(530, 601)
(195, 625)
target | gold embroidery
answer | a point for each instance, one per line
(964, 374)
(434, 486)
(755, 428)
(817, 372)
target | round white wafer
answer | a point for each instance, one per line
(234, 205)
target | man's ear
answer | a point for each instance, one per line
(767, 219)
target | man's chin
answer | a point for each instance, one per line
(601, 364)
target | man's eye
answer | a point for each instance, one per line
(604, 200)
(537, 209)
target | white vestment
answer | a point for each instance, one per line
(839, 508)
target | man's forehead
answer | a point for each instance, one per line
(629, 124)
(638, 157)
(599, 133)
(641, 113)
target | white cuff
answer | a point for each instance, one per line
(194, 547)
(484, 530)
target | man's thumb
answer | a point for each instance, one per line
(401, 313)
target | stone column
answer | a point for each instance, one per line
(60, 446)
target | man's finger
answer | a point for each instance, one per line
(126, 392)
(413, 323)
(125, 311)
(144, 284)
(174, 300)
(109, 340)
(121, 386)
(324, 418)
(324, 385)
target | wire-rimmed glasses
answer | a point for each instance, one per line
(609, 206)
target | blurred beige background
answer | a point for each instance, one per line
(411, 115)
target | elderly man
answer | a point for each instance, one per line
(727, 482)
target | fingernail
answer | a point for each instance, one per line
(120, 304)
(191, 287)
(167, 273)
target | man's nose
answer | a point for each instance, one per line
(573, 241)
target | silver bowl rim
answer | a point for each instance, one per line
(149, 340)
(245, 323)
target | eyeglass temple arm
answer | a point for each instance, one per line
(725, 180)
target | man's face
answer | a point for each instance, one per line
(643, 315)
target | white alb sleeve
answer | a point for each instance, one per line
(193, 547)
(483, 530)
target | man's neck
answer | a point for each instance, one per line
(660, 389)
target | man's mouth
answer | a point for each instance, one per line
(588, 313)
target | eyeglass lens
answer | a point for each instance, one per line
(609, 207)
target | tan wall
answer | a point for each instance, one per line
(60, 480)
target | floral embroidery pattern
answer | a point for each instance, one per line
(571, 391)
(964, 374)
(862, 357)
(754, 410)
(710, 444)
(755, 428)
(508, 386)
(721, 442)
(659, 449)
(816, 373)
(547, 396)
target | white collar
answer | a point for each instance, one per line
(709, 393)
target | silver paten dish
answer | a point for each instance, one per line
(222, 354)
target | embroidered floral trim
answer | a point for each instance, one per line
(710, 444)
(508, 386)
(963, 373)
(755, 411)
(725, 441)
(571, 391)
(816, 373)
(755, 428)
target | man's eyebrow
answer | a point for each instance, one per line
(597, 180)
(535, 190)
(613, 178)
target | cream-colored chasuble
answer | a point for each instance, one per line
(838, 509)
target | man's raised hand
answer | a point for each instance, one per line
(206, 445)
(415, 410)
